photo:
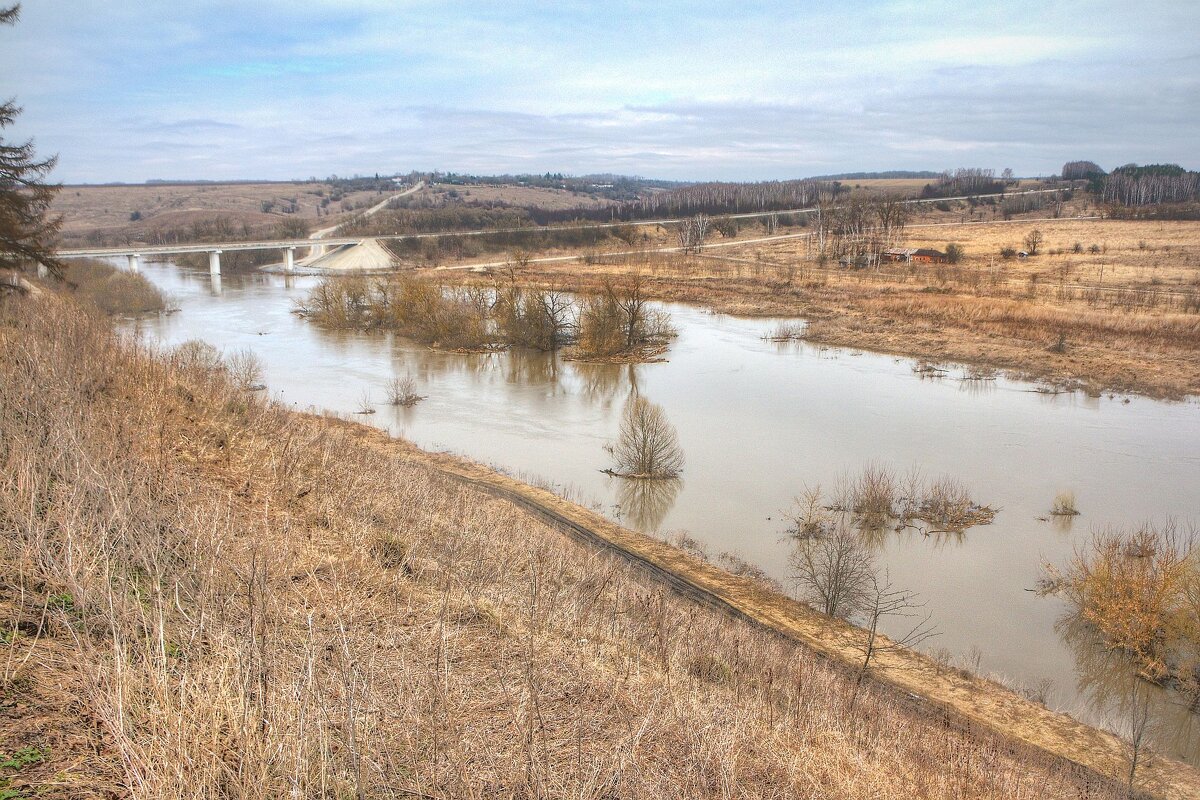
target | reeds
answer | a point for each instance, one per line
(875, 498)
(112, 290)
(1064, 505)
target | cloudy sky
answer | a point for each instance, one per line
(128, 90)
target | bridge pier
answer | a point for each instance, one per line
(214, 262)
(134, 261)
(289, 259)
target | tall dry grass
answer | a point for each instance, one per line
(246, 602)
(112, 290)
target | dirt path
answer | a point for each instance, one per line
(959, 699)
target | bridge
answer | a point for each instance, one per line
(318, 243)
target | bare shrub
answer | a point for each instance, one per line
(198, 355)
(402, 391)
(647, 445)
(365, 404)
(1140, 590)
(1064, 505)
(809, 516)
(112, 290)
(875, 498)
(245, 368)
(620, 321)
(947, 504)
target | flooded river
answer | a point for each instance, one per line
(759, 421)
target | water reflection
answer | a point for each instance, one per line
(1108, 679)
(602, 383)
(645, 503)
(214, 282)
(526, 366)
(879, 538)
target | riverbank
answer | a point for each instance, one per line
(1123, 319)
(347, 613)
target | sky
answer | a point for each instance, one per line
(130, 90)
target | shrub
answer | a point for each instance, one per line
(111, 290)
(1064, 505)
(245, 368)
(402, 391)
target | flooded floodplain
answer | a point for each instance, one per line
(758, 422)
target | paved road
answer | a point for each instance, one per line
(329, 241)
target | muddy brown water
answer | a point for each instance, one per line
(758, 421)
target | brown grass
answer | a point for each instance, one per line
(112, 290)
(96, 214)
(215, 597)
(1052, 318)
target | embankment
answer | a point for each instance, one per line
(202, 592)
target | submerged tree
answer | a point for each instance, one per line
(26, 229)
(647, 445)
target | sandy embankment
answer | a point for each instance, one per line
(368, 254)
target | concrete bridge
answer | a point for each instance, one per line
(318, 244)
(287, 247)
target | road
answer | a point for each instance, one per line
(102, 252)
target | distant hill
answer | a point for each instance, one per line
(894, 174)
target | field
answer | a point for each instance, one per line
(96, 214)
(553, 199)
(206, 593)
(1125, 318)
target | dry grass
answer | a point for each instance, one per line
(1124, 319)
(212, 596)
(1064, 505)
(112, 290)
(106, 210)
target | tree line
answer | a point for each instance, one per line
(967, 181)
(617, 322)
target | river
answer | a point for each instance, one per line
(759, 421)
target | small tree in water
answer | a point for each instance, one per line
(647, 445)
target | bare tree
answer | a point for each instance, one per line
(1033, 240)
(556, 307)
(647, 445)
(691, 233)
(1139, 722)
(833, 568)
(884, 600)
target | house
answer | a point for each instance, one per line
(899, 253)
(928, 256)
(921, 255)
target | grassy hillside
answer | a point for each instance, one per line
(203, 594)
